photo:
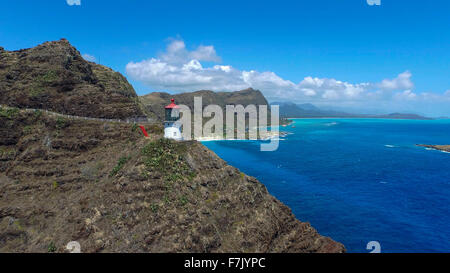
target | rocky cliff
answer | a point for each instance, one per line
(444, 148)
(106, 186)
(54, 76)
(110, 189)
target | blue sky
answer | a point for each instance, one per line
(341, 54)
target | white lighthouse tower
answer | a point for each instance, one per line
(172, 126)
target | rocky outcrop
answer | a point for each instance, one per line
(104, 185)
(54, 76)
(444, 148)
(108, 188)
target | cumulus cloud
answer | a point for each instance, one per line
(176, 53)
(401, 82)
(405, 95)
(180, 69)
(89, 58)
(73, 2)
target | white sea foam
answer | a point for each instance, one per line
(433, 149)
(205, 139)
(331, 124)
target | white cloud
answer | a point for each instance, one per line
(181, 70)
(405, 95)
(330, 94)
(205, 53)
(89, 58)
(176, 53)
(402, 82)
(73, 2)
(332, 89)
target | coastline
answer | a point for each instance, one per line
(269, 135)
(441, 148)
(285, 180)
(374, 118)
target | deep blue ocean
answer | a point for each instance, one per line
(359, 180)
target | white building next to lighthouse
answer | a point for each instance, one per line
(172, 126)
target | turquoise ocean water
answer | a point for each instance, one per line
(359, 180)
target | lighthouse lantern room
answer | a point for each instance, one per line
(172, 126)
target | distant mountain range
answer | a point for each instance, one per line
(308, 110)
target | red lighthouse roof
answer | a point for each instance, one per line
(172, 105)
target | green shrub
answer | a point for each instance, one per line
(37, 114)
(134, 127)
(36, 91)
(27, 130)
(9, 113)
(122, 161)
(183, 200)
(51, 247)
(10, 153)
(167, 157)
(166, 199)
(154, 208)
(49, 77)
(18, 225)
(60, 123)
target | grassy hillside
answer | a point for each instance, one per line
(112, 190)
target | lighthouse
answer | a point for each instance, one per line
(172, 126)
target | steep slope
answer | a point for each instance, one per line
(54, 76)
(110, 189)
(102, 184)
